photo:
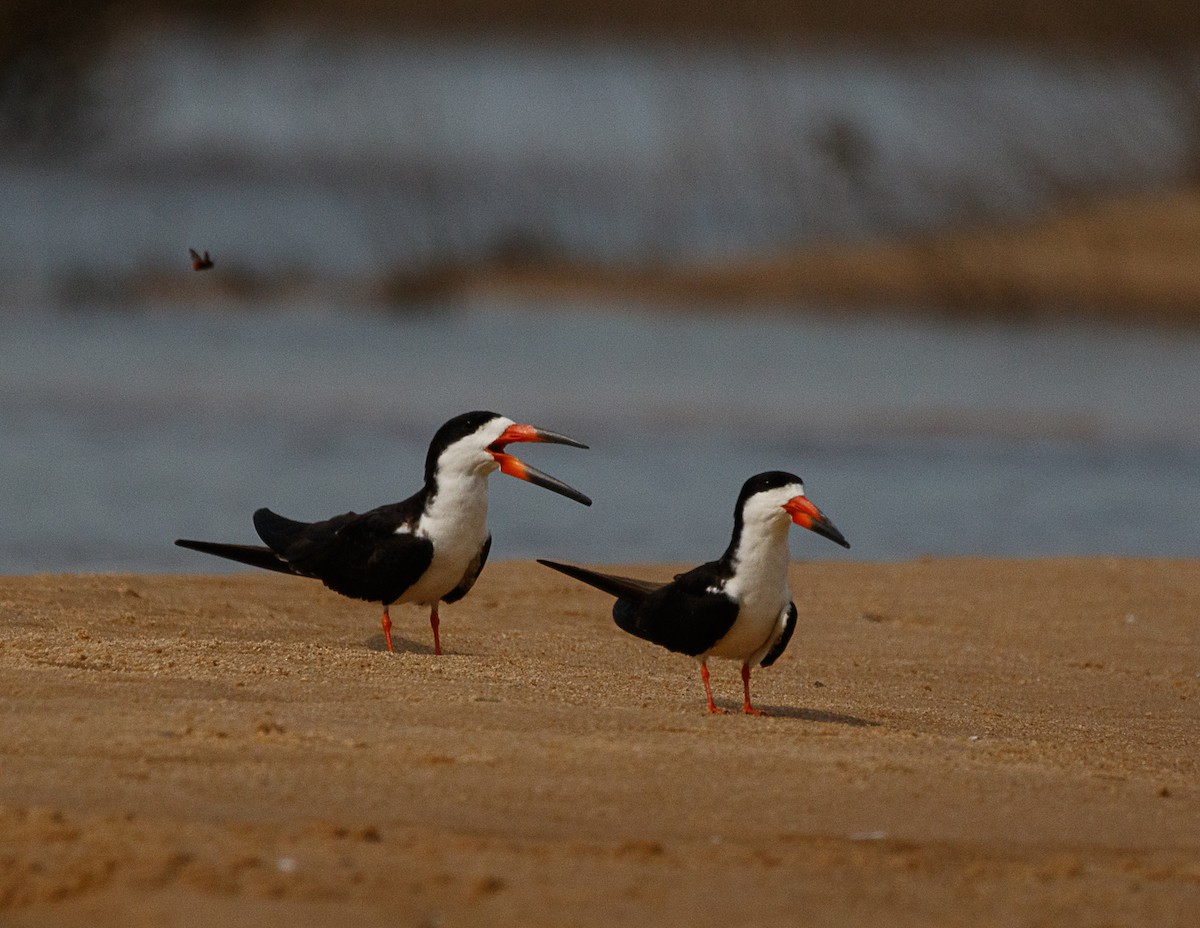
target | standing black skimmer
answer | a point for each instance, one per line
(430, 548)
(738, 607)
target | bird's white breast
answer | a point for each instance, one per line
(759, 586)
(455, 522)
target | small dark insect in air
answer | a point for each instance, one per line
(200, 262)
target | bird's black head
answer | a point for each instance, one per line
(774, 495)
(768, 480)
(454, 430)
(473, 445)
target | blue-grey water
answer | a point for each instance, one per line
(121, 432)
(325, 162)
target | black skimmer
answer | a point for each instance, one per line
(200, 262)
(430, 548)
(738, 607)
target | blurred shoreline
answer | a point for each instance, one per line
(1129, 261)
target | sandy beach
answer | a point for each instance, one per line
(951, 742)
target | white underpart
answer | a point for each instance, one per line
(760, 577)
(455, 520)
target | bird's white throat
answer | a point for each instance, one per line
(760, 566)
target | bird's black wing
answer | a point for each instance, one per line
(472, 574)
(361, 556)
(781, 642)
(684, 615)
(689, 615)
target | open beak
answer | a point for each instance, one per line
(805, 514)
(522, 471)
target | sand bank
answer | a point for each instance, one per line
(952, 742)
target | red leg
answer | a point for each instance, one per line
(386, 622)
(712, 706)
(434, 622)
(747, 708)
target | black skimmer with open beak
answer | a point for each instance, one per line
(428, 549)
(738, 607)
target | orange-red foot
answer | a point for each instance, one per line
(750, 710)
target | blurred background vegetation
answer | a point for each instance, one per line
(795, 203)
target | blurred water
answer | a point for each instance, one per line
(121, 432)
(283, 151)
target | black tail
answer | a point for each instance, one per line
(243, 554)
(625, 588)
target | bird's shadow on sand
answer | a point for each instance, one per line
(813, 715)
(400, 644)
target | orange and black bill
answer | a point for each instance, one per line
(808, 516)
(522, 471)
